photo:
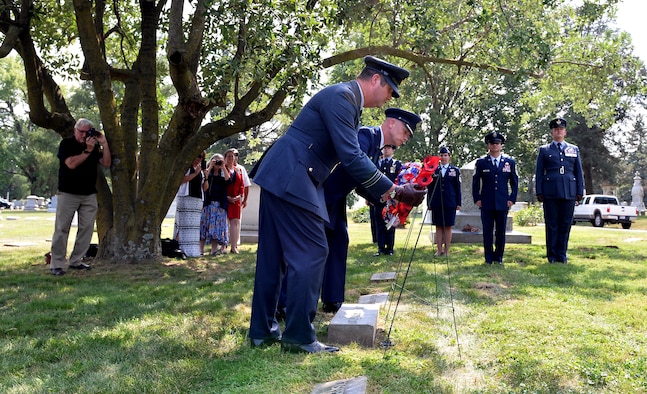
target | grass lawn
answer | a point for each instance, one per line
(179, 326)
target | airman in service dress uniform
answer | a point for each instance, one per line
(560, 184)
(391, 168)
(494, 190)
(443, 200)
(291, 174)
(396, 129)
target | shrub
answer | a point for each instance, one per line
(361, 215)
(529, 216)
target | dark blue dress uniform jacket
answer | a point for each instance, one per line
(559, 177)
(490, 184)
(297, 165)
(451, 196)
(292, 240)
(340, 182)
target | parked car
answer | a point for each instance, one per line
(600, 209)
(4, 204)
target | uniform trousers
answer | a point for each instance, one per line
(558, 217)
(494, 223)
(291, 243)
(372, 212)
(385, 238)
(86, 209)
(334, 281)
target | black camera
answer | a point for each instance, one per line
(218, 162)
(92, 133)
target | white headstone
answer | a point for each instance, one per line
(31, 203)
(638, 194)
(52, 204)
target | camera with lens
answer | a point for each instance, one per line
(218, 162)
(92, 133)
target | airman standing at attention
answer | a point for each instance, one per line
(560, 184)
(494, 189)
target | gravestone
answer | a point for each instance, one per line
(171, 210)
(354, 323)
(470, 214)
(379, 298)
(249, 219)
(638, 194)
(31, 203)
(52, 204)
(344, 386)
(382, 277)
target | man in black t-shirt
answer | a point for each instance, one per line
(77, 177)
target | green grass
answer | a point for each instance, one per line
(175, 326)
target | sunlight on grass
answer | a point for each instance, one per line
(460, 326)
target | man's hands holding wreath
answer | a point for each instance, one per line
(410, 190)
(410, 194)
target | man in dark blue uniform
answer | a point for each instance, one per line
(560, 184)
(443, 200)
(396, 129)
(291, 174)
(494, 189)
(391, 168)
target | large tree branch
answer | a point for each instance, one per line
(13, 28)
(417, 58)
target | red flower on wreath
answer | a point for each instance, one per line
(395, 212)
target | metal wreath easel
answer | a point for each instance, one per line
(399, 288)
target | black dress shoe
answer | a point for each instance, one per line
(262, 343)
(378, 254)
(551, 261)
(80, 266)
(314, 347)
(488, 262)
(331, 307)
(57, 271)
(390, 253)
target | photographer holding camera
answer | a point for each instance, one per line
(213, 223)
(77, 193)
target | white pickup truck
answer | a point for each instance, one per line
(600, 209)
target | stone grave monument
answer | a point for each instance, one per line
(31, 203)
(53, 204)
(469, 214)
(249, 219)
(638, 194)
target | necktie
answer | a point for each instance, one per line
(496, 162)
(559, 147)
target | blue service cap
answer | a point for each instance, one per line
(444, 149)
(409, 119)
(392, 73)
(494, 137)
(558, 122)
